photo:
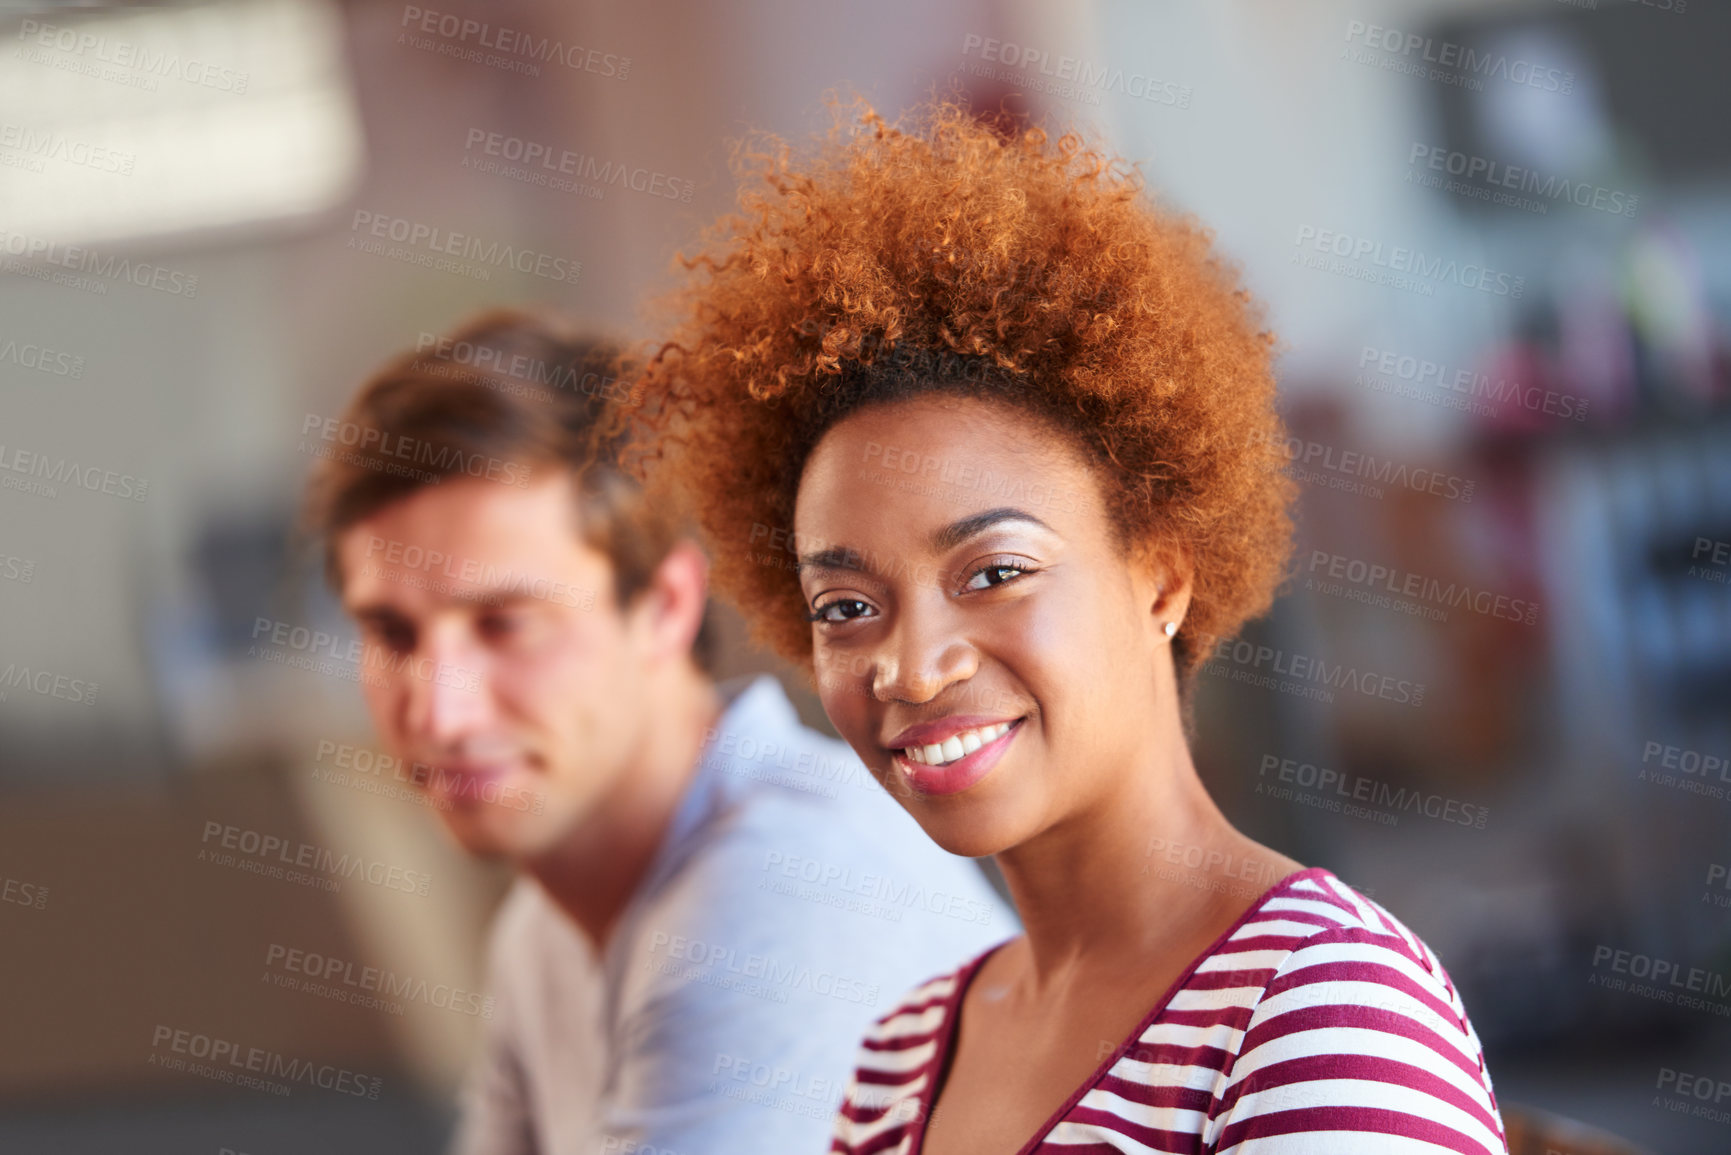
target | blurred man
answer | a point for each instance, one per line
(715, 900)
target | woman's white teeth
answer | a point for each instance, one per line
(956, 745)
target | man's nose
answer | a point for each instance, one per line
(449, 696)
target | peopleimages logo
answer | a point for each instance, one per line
(357, 767)
(1684, 769)
(407, 561)
(125, 54)
(47, 683)
(487, 362)
(42, 359)
(1478, 171)
(227, 1061)
(1454, 63)
(799, 766)
(442, 249)
(1356, 471)
(964, 476)
(82, 259)
(353, 660)
(30, 894)
(1357, 788)
(877, 888)
(1366, 259)
(49, 471)
(269, 853)
(446, 460)
(1700, 1088)
(796, 1092)
(1360, 580)
(773, 977)
(1420, 374)
(1252, 660)
(1717, 566)
(459, 32)
(1663, 980)
(1070, 76)
(330, 977)
(40, 146)
(543, 164)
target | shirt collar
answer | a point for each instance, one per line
(752, 704)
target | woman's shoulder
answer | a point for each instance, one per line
(1339, 973)
(1352, 1006)
(912, 1029)
(1312, 941)
(896, 1059)
(1314, 916)
(925, 1008)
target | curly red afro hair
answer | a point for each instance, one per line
(1011, 267)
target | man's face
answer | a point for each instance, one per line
(496, 658)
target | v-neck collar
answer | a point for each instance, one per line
(965, 979)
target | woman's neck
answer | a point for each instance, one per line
(1151, 865)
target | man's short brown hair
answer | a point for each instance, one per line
(505, 396)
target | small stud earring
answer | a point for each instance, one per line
(1171, 629)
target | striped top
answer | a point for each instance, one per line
(1316, 1025)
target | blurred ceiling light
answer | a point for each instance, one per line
(163, 121)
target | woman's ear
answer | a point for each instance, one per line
(1163, 576)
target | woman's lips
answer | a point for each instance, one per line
(954, 777)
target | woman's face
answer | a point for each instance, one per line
(960, 561)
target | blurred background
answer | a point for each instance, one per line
(1494, 238)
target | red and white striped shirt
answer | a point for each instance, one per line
(1316, 1025)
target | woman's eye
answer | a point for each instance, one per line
(994, 575)
(822, 613)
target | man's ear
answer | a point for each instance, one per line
(675, 598)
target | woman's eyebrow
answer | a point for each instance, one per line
(957, 532)
(841, 557)
(836, 557)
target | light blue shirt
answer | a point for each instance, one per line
(792, 902)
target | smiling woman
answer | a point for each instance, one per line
(1007, 432)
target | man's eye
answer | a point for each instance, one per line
(822, 613)
(393, 635)
(499, 625)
